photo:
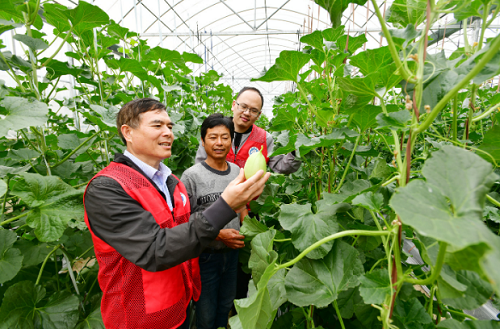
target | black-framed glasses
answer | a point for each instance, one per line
(243, 108)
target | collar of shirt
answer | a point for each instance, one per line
(159, 176)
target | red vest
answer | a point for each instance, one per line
(134, 298)
(255, 141)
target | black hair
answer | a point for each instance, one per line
(253, 89)
(130, 113)
(214, 120)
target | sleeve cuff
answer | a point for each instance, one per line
(219, 214)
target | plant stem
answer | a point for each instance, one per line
(338, 314)
(330, 238)
(487, 113)
(74, 151)
(348, 164)
(436, 270)
(5, 196)
(455, 117)
(45, 262)
(16, 217)
(392, 48)
(58, 49)
(479, 66)
(490, 199)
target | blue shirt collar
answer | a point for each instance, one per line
(147, 169)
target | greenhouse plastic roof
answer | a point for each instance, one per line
(240, 39)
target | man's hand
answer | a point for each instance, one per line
(239, 192)
(231, 238)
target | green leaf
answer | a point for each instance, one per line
(11, 259)
(33, 43)
(286, 68)
(307, 227)
(404, 12)
(34, 252)
(359, 86)
(22, 308)
(314, 39)
(305, 144)
(193, 58)
(491, 144)
(402, 38)
(3, 188)
(262, 246)
(6, 25)
(332, 34)
(410, 314)
(449, 206)
(348, 191)
(318, 58)
(56, 69)
(128, 65)
(85, 17)
(372, 60)
(57, 16)
(119, 31)
(354, 43)
(369, 200)
(336, 8)
(454, 324)
(318, 282)
(93, 321)
(276, 287)
(375, 286)
(477, 292)
(256, 311)
(251, 228)
(346, 301)
(4, 170)
(394, 121)
(106, 119)
(53, 204)
(21, 113)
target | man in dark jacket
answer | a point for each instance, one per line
(138, 215)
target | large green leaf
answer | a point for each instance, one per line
(491, 144)
(106, 118)
(276, 287)
(305, 144)
(93, 321)
(252, 227)
(33, 43)
(286, 68)
(394, 121)
(21, 113)
(85, 17)
(53, 204)
(22, 308)
(348, 191)
(336, 8)
(256, 311)
(318, 282)
(128, 65)
(375, 286)
(11, 259)
(262, 245)
(314, 39)
(404, 12)
(477, 292)
(193, 58)
(449, 205)
(410, 314)
(57, 16)
(308, 227)
(372, 60)
(353, 43)
(369, 200)
(34, 252)
(359, 86)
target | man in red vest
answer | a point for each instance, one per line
(248, 138)
(138, 214)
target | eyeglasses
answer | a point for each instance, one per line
(243, 108)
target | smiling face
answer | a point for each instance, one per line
(243, 120)
(151, 141)
(217, 143)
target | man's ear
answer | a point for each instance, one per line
(127, 132)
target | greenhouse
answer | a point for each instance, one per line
(124, 125)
